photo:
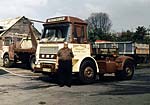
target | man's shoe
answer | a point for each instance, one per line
(69, 86)
(61, 85)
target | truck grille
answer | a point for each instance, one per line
(49, 50)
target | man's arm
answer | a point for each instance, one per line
(71, 53)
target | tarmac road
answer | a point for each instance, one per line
(41, 90)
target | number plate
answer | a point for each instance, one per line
(47, 69)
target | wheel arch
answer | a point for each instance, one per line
(3, 55)
(6, 60)
(87, 70)
(84, 59)
(9, 55)
(124, 60)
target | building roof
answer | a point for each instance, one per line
(8, 23)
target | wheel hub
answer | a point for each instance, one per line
(6, 61)
(89, 72)
(129, 71)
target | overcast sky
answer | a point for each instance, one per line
(125, 14)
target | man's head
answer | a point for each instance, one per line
(65, 44)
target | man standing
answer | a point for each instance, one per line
(65, 56)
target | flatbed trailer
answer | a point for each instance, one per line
(140, 52)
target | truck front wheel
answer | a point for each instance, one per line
(127, 72)
(32, 63)
(87, 73)
(6, 61)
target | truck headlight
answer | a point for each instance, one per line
(47, 56)
(52, 56)
(43, 56)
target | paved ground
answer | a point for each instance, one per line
(41, 90)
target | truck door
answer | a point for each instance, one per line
(79, 33)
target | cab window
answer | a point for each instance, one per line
(79, 33)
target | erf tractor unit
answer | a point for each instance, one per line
(89, 59)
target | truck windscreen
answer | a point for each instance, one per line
(56, 32)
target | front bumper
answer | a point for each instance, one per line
(45, 67)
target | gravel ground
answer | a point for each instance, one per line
(42, 90)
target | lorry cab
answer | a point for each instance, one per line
(60, 29)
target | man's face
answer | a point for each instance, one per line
(65, 45)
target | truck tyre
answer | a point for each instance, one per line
(87, 73)
(127, 72)
(6, 61)
(32, 63)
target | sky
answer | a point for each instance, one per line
(124, 14)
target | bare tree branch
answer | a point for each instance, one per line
(99, 21)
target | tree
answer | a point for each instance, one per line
(99, 25)
(126, 36)
(146, 40)
(140, 33)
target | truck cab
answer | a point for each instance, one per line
(60, 29)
